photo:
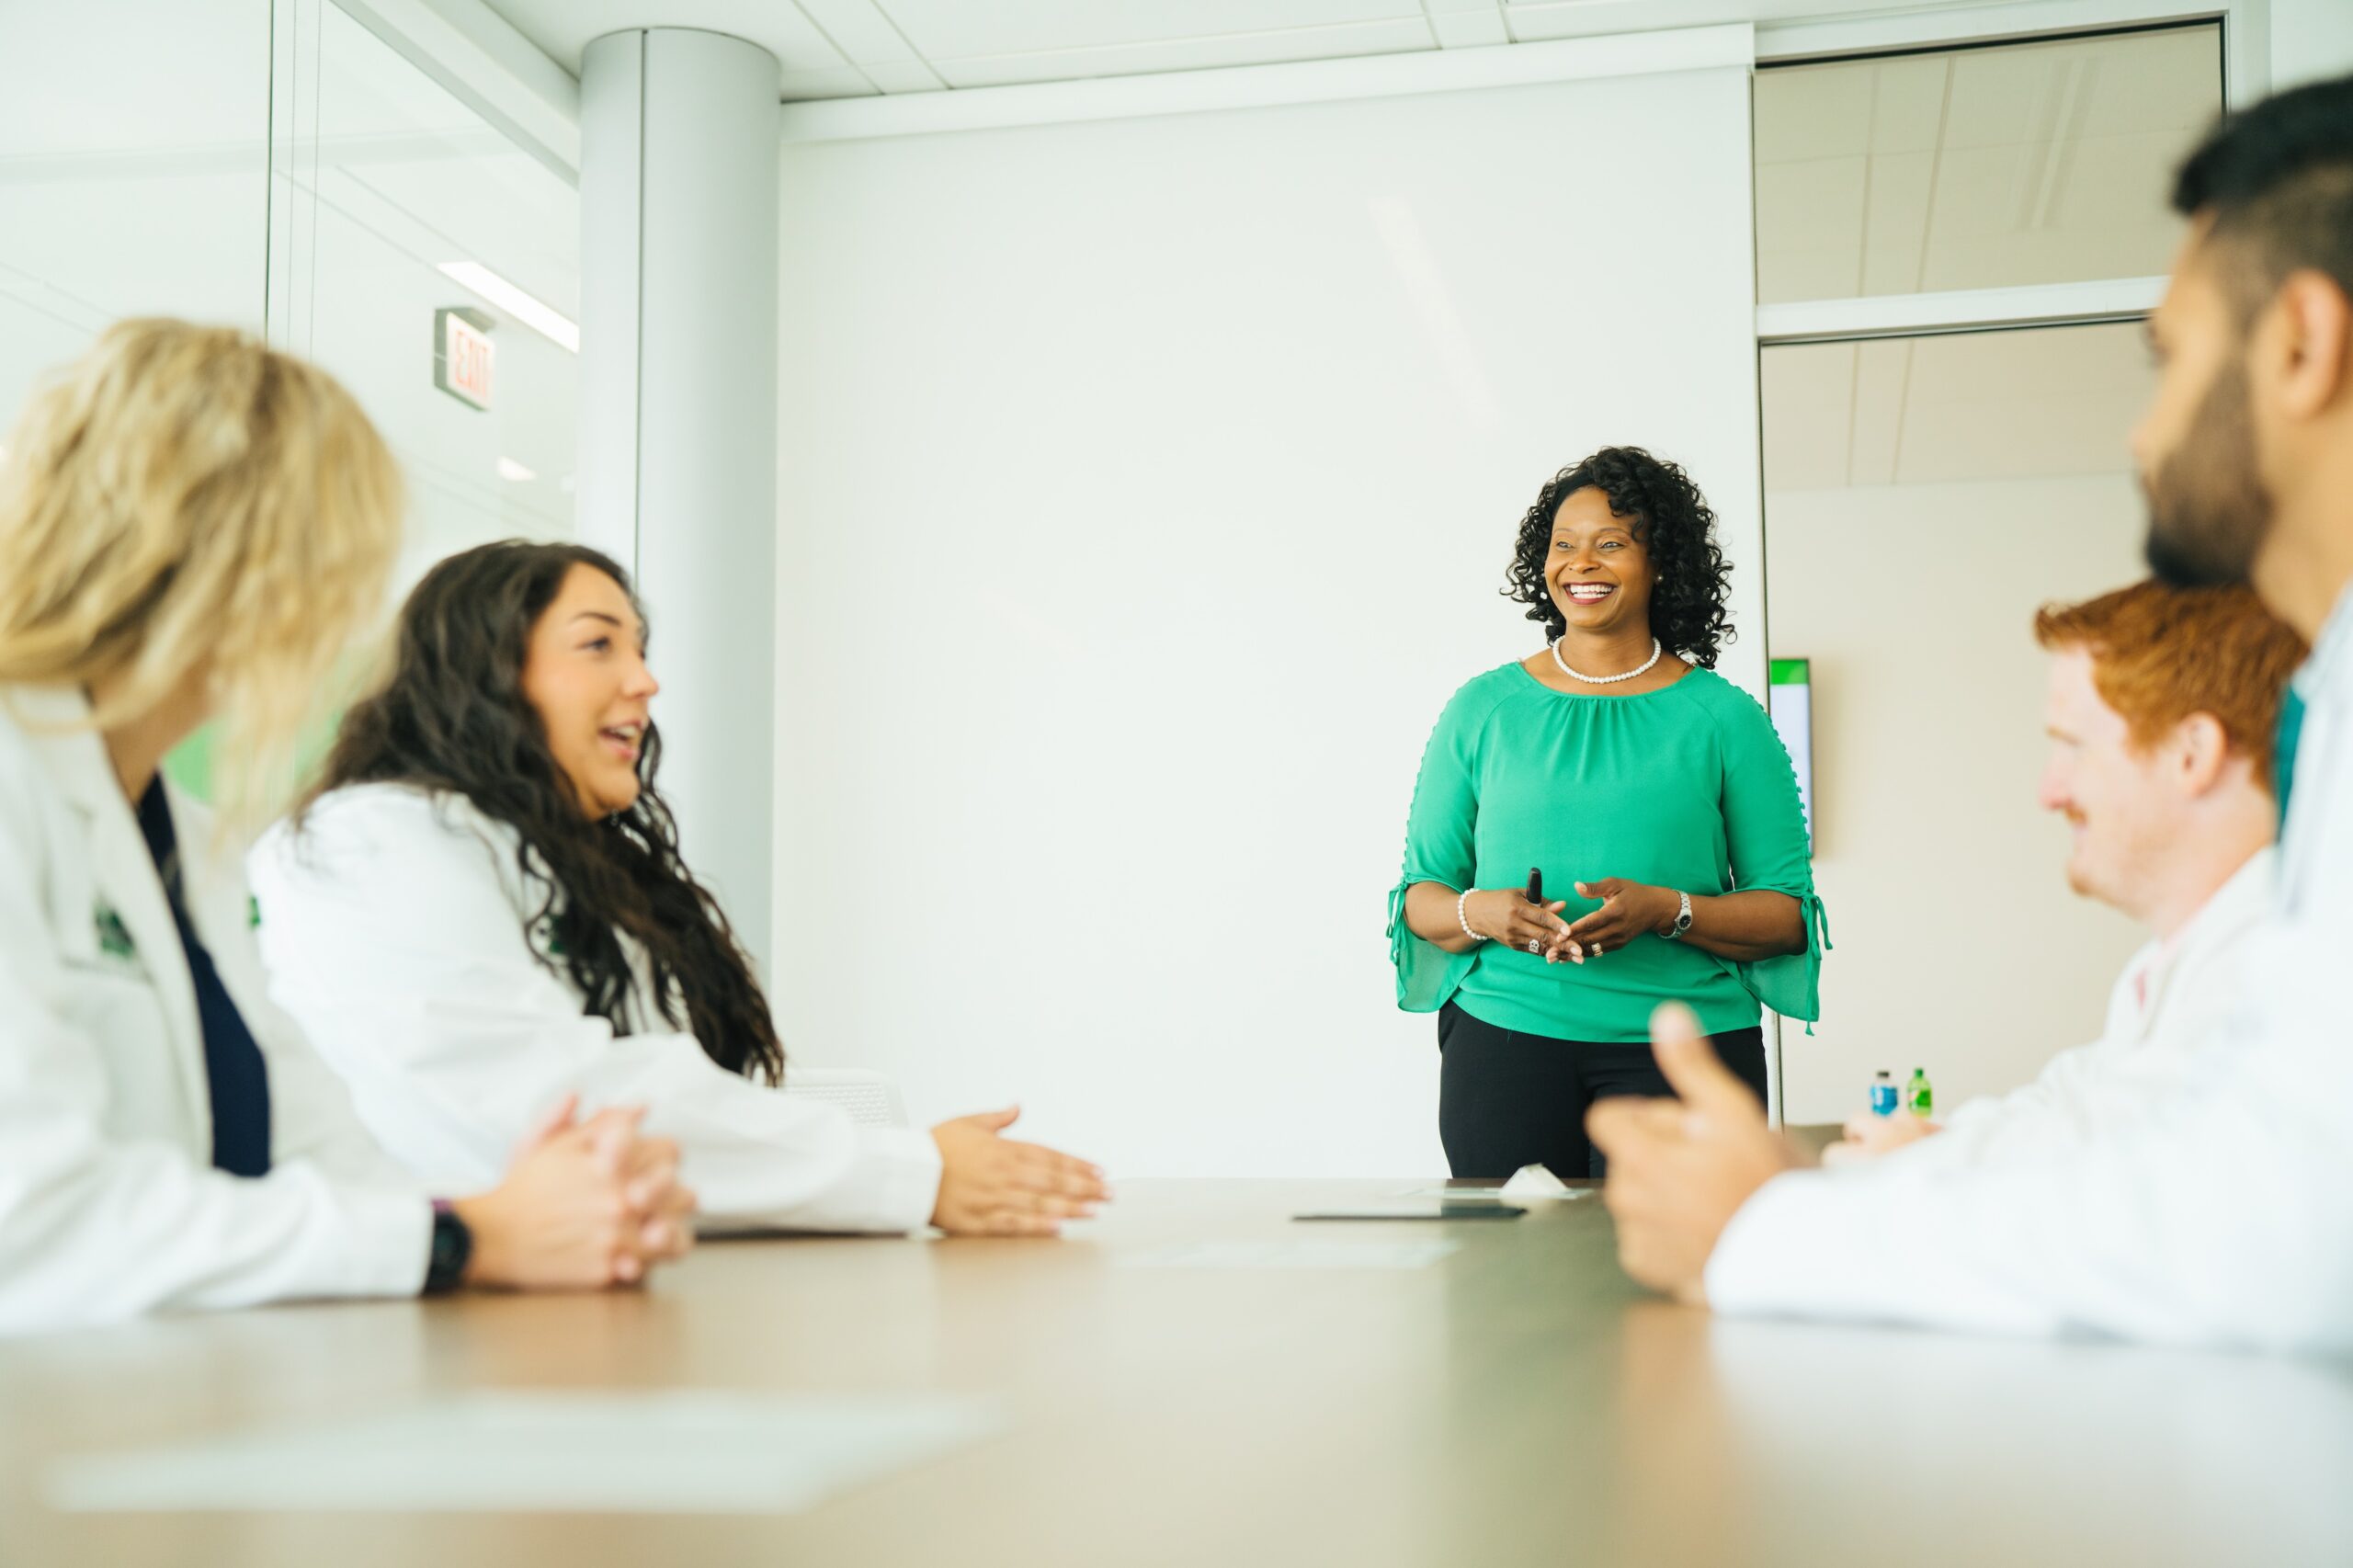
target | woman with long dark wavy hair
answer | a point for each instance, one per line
(483, 907)
(1616, 765)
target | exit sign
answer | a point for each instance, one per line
(462, 354)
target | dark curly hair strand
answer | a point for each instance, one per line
(1676, 525)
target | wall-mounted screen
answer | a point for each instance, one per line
(1791, 706)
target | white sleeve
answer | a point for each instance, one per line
(391, 936)
(2220, 1214)
(311, 1119)
(95, 1228)
(2038, 1120)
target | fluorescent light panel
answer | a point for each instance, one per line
(537, 314)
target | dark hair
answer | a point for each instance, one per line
(1672, 519)
(2277, 178)
(452, 716)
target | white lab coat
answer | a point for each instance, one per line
(2221, 1212)
(108, 1203)
(393, 927)
(2173, 999)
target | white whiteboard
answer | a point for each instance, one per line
(1146, 488)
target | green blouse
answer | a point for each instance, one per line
(1687, 787)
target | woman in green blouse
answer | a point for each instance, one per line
(1618, 764)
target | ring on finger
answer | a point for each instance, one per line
(1535, 946)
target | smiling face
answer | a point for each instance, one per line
(1598, 572)
(584, 672)
(2118, 798)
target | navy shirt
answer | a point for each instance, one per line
(232, 1064)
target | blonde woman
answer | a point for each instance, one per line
(190, 526)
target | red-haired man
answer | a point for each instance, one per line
(2163, 767)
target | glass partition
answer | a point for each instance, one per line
(1977, 168)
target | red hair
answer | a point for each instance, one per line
(2161, 654)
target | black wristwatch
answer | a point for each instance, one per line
(453, 1249)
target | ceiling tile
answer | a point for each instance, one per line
(1895, 225)
(1189, 55)
(562, 28)
(2152, 82)
(1881, 427)
(2165, 82)
(858, 29)
(1807, 394)
(961, 29)
(903, 75)
(1469, 28)
(2017, 405)
(1543, 19)
(1809, 229)
(1908, 108)
(1813, 112)
(1993, 227)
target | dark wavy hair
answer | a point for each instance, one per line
(1676, 525)
(452, 717)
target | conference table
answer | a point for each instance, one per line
(1195, 1378)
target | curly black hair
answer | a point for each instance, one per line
(1674, 524)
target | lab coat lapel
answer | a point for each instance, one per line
(127, 886)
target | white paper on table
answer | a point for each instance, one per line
(1291, 1254)
(527, 1453)
(1538, 1181)
(1529, 1181)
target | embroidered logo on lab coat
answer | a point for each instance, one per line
(550, 943)
(114, 936)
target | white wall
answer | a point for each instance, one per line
(1146, 486)
(2309, 40)
(1957, 946)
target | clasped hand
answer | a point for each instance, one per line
(1628, 910)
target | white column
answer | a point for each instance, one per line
(678, 412)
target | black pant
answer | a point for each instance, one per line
(1507, 1099)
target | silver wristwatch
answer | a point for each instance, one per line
(1682, 919)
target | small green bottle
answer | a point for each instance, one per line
(1918, 1095)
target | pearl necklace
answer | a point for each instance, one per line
(1605, 680)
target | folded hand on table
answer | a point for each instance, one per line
(584, 1204)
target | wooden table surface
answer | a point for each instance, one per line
(1518, 1402)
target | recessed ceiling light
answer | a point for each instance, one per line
(533, 312)
(509, 469)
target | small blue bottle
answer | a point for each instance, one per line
(1883, 1095)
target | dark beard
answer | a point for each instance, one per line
(2207, 512)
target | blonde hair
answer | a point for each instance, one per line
(184, 500)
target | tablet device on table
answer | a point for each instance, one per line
(1464, 1207)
